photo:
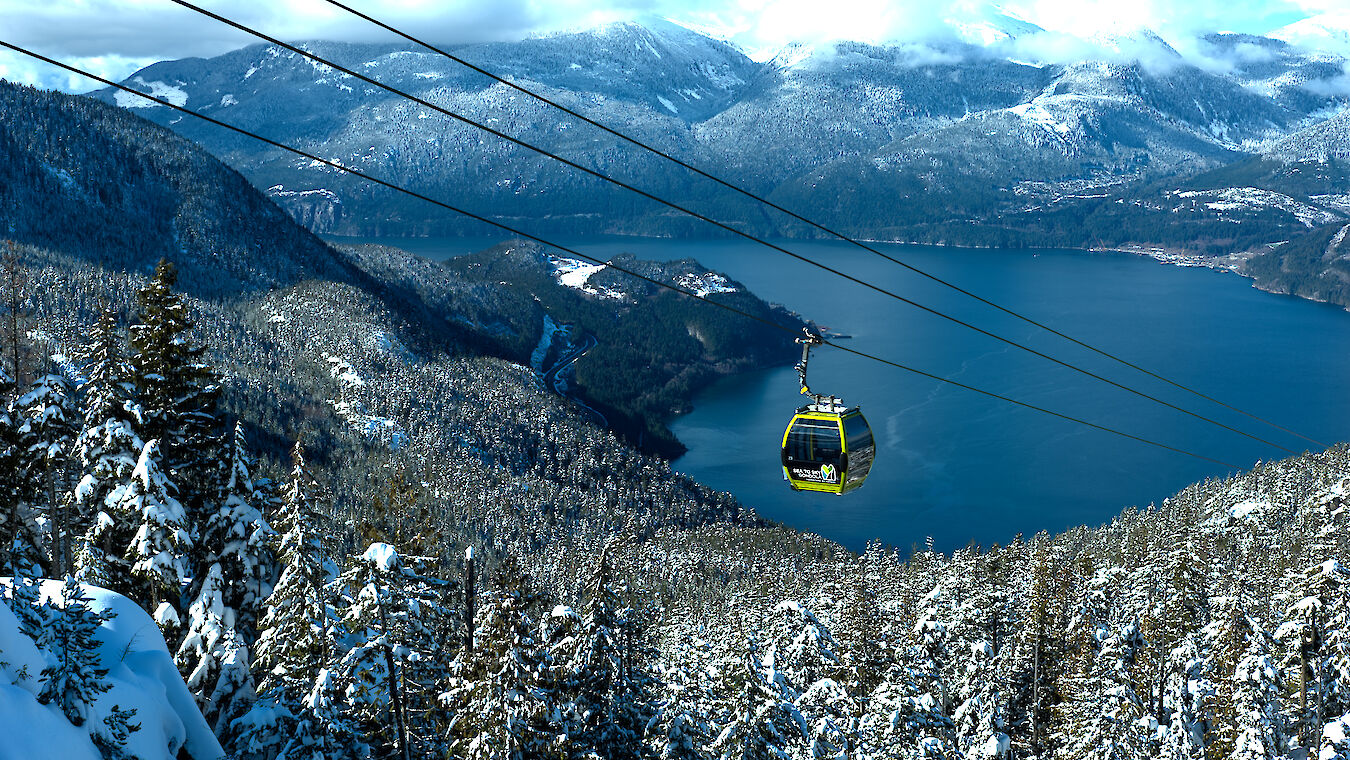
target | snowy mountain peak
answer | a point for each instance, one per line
(990, 25)
(1138, 43)
(786, 57)
(1328, 32)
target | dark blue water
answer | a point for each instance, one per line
(965, 468)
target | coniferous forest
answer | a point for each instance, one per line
(360, 536)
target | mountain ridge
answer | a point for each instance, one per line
(990, 137)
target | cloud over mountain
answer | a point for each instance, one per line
(116, 37)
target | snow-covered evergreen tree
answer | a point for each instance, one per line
(25, 597)
(111, 739)
(607, 690)
(1188, 698)
(19, 542)
(928, 712)
(1335, 740)
(395, 627)
(497, 691)
(296, 632)
(178, 394)
(109, 453)
(763, 722)
(176, 389)
(299, 710)
(1247, 718)
(158, 551)
(47, 433)
(75, 679)
(805, 655)
(109, 386)
(1256, 700)
(210, 641)
(108, 449)
(222, 619)
(979, 719)
(682, 730)
(1112, 725)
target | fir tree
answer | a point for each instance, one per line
(610, 700)
(682, 730)
(1247, 721)
(294, 641)
(763, 721)
(1255, 697)
(1188, 698)
(25, 595)
(222, 619)
(157, 554)
(109, 452)
(394, 623)
(238, 537)
(109, 386)
(18, 546)
(14, 519)
(47, 433)
(176, 389)
(299, 709)
(111, 739)
(497, 691)
(979, 719)
(207, 643)
(75, 679)
(1111, 727)
(108, 449)
(805, 654)
(178, 395)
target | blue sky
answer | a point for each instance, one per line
(116, 37)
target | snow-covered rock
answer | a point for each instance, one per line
(382, 556)
(141, 676)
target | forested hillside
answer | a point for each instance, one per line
(1212, 624)
(644, 350)
(291, 480)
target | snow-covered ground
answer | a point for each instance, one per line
(704, 285)
(141, 675)
(1254, 198)
(161, 90)
(576, 274)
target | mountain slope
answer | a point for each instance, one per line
(98, 182)
(369, 358)
(833, 130)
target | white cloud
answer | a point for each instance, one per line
(1335, 87)
(117, 36)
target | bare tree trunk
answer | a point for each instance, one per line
(468, 598)
(395, 698)
(1303, 690)
(1036, 697)
(11, 266)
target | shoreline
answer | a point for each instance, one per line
(1232, 263)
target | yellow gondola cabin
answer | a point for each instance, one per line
(827, 448)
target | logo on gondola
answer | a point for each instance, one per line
(827, 473)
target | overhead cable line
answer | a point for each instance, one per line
(620, 183)
(805, 220)
(500, 225)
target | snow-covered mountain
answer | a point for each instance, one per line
(1323, 143)
(887, 140)
(1329, 31)
(990, 25)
